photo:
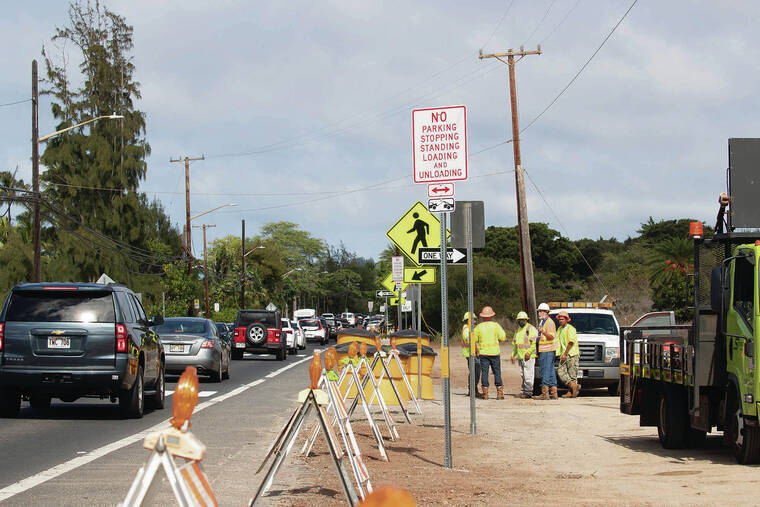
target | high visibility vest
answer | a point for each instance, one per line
(466, 340)
(567, 334)
(547, 344)
(525, 341)
(488, 335)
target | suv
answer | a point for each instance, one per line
(313, 330)
(68, 340)
(258, 332)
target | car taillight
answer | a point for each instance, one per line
(208, 344)
(121, 338)
(2, 335)
(237, 333)
(273, 335)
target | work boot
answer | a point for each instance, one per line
(483, 395)
(553, 392)
(576, 388)
(544, 394)
(569, 393)
(499, 393)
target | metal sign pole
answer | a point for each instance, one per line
(419, 339)
(445, 350)
(386, 315)
(470, 308)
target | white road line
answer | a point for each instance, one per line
(202, 394)
(51, 473)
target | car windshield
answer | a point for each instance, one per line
(221, 327)
(245, 319)
(61, 306)
(285, 323)
(591, 323)
(310, 323)
(181, 326)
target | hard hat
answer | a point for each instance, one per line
(544, 307)
(487, 311)
(564, 314)
(466, 316)
(522, 316)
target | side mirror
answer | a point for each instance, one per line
(156, 321)
(749, 348)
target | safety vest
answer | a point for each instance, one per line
(466, 341)
(547, 344)
(567, 334)
(488, 335)
(525, 341)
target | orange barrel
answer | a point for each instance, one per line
(410, 363)
(410, 336)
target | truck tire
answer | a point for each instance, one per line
(132, 401)
(745, 440)
(614, 389)
(672, 420)
(39, 401)
(256, 334)
(237, 354)
(10, 403)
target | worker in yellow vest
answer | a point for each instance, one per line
(569, 355)
(547, 348)
(524, 350)
(466, 352)
(487, 336)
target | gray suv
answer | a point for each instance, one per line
(68, 340)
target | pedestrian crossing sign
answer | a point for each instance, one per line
(416, 228)
(389, 284)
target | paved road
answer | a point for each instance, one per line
(258, 392)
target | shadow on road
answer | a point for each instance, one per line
(713, 450)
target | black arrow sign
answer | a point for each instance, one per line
(419, 274)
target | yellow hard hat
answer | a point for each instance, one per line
(466, 316)
(522, 316)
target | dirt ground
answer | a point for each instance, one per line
(570, 451)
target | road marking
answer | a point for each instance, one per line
(202, 394)
(53, 472)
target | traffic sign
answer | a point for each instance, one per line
(394, 301)
(384, 294)
(407, 306)
(271, 307)
(419, 275)
(433, 256)
(416, 228)
(370, 305)
(441, 205)
(440, 144)
(389, 284)
(397, 268)
(440, 190)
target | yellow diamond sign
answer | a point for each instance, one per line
(417, 228)
(390, 285)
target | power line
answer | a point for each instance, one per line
(499, 23)
(540, 22)
(16, 102)
(560, 23)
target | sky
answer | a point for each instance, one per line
(303, 109)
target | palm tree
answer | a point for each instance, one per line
(672, 257)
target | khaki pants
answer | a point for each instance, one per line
(527, 372)
(567, 371)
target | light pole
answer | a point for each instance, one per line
(188, 246)
(36, 165)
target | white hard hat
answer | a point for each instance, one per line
(544, 307)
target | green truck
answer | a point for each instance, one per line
(689, 379)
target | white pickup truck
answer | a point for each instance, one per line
(598, 341)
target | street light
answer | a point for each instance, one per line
(109, 116)
(212, 209)
(253, 250)
(188, 246)
(294, 269)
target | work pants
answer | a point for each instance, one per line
(546, 369)
(567, 371)
(492, 362)
(476, 363)
(527, 372)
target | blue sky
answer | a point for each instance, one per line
(300, 106)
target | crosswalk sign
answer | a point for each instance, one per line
(416, 228)
(389, 284)
(425, 274)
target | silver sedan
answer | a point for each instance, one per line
(194, 341)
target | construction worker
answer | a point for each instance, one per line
(466, 352)
(524, 350)
(569, 355)
(487, 336)
(547, 348)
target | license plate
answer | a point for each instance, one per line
(580, 373)
(176, 348)
(59, 342)
(240, 345)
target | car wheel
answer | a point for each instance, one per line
(132, 401)
(237, 355)
(158, 399)
(256, 334)
(226, 374)
(280, 355)
(216, 375)
(10, 403)
(39, 401)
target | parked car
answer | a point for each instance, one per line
(258, 332)
(313, 330)
(224, 330)
(300, 339)
(69, 340)
(194, 341)
(290, 336)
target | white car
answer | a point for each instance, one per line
(300, 340)
(291, 342)
(350, 317)
(313, 330)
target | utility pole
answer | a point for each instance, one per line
(205, 265)
(242, 268)
(188, 244)
(35, 175)
(526, 258)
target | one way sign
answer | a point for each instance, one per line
(419, 275)
(433, 256)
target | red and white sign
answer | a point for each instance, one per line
(441, 190)
(440, 144)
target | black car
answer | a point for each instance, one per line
(69, 340)
(258, 332)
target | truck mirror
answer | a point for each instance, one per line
(749, 348)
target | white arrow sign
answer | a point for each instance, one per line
(433, 256)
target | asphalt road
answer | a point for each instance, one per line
(58, 456)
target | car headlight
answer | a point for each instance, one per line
(611, 353)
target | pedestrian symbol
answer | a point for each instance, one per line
(418, 228)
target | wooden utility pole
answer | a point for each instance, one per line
(242, 268)
(188, 244)
(205, 265)
(35, 176)
(526, 257)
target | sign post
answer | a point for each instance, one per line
(445, 350)
(471, 309)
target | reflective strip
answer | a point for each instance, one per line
(646, 372)
(656, 374)
(362, 468)
(666, 376)
(625, 369)
(340, 409)
(199, 486)
(636, 370)
(679, 377)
